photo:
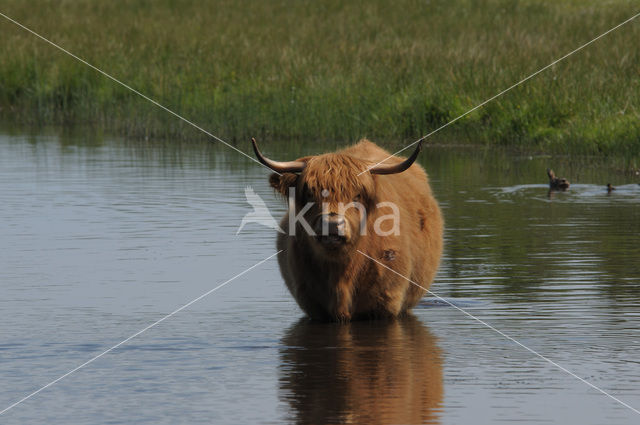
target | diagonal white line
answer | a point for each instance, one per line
(505, 90)
(505, 335)
(132, 89)
(137, 333)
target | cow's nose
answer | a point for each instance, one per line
(333, 224)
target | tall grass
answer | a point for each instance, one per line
(332, 70)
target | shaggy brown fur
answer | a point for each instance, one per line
(340, 283)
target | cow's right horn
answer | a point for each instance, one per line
(278, 167)
(400, 166)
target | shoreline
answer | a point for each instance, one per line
(372, 70)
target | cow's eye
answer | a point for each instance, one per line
(306, 194)
(357, 198)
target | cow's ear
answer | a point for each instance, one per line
(282, 182)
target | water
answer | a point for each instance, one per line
(101, 238)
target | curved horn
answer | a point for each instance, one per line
(397, 168)
(278, 167)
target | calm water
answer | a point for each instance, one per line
(101, 238)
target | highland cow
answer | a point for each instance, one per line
(343, 207)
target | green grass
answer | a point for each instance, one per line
(331, 70)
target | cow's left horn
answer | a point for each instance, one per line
(278, 167)
(397, 168)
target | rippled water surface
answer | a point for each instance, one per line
(102, 238)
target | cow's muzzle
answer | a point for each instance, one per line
(331, 228)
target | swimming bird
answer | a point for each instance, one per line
(610, 188)
(260, 213)
(556, 183)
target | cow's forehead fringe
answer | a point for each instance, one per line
(337, 173)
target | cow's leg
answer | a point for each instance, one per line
(394, 301)
(343, 301)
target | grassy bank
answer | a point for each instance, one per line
(307, 70)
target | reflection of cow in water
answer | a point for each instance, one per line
(321, 264)
(374, 372)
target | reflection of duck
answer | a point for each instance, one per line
(610, 188)
(361, 372)
(556, 183)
